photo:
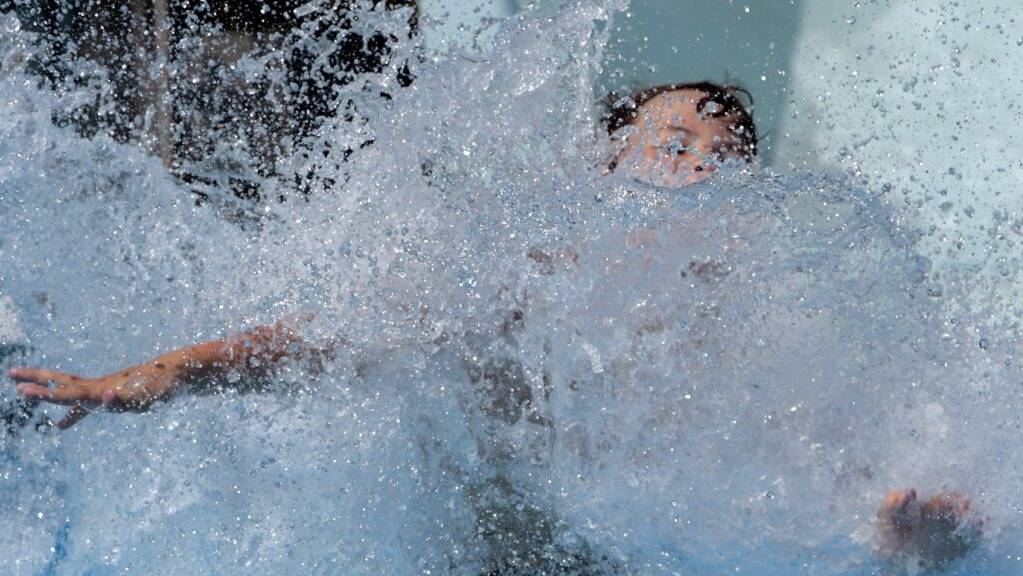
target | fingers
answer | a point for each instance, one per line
(76, 413)
(34, 392)
(117, 393)
(900, 507)
(42, 377)
(34, 384)
(898, 500)
(67, 395)
(69, 390)
(948, 504)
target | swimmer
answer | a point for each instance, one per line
(932, 534)
(673, 134)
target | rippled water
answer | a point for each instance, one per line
(542, 368)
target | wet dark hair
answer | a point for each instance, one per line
(622, 112)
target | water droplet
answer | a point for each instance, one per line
(12, 24)
(984, 344)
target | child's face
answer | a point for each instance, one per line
(672, 144)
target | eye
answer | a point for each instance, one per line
(713, 108)
(677, 148)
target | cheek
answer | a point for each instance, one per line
(692, 177)
(650, 154)
(691, 163)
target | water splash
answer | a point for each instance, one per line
(543, 368)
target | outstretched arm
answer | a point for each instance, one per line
(251, 353)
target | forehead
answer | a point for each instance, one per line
(678, 108)
(673, 102)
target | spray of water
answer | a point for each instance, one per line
(540, 368)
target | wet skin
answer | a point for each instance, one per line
(137, 387)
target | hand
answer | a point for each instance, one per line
(139, 386)
(936, 531)
(132, 389)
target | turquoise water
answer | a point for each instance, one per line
(544, 369)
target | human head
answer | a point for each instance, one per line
(675, 134)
